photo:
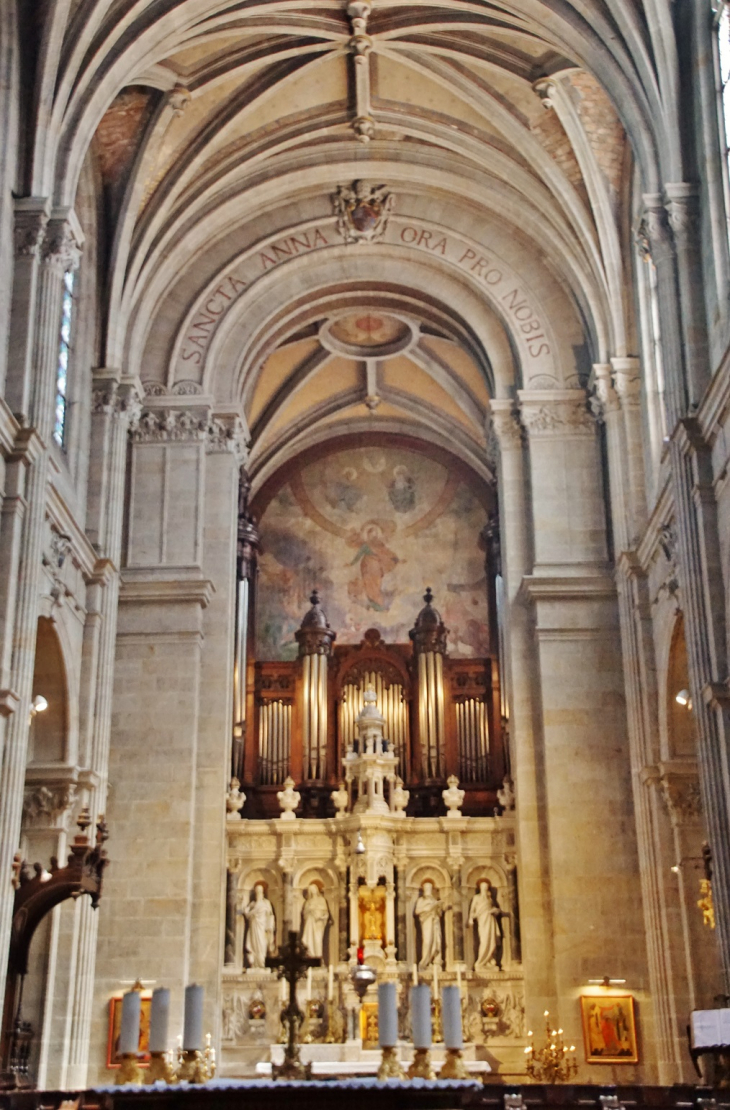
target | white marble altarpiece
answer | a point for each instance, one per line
(432, 896)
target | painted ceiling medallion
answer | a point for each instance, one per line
(362, 211)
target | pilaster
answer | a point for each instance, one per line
(507, 436)
(571, 596)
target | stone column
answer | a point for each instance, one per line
(525, 725)
(115, 408)
(583, 717)
(60, 252)
(47, 806)
(627, 385)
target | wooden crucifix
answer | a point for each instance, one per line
(291, 963)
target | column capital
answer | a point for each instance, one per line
(605, 398)
(683, 209)
(228, 435)
(31, 219)
(113, 397)
(654, 236)
(503, 425)
(63, 241)
(556, 413)
(627, 379)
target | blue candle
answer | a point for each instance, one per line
(129, 1035)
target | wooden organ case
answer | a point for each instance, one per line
(443, 718)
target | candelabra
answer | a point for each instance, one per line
(552, 1063)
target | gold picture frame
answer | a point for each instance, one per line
(609, 1029)
(113, 1059)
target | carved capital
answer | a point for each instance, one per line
(29, 229)
(682, 798)
(556, 413)
(683, 212)
(178, 100)
(170, 425)
(503, 426)
(48, 806)
(605, 398)
(116, 399)
(627, 380)
(655, 230)
(227, 435)
(61, 247)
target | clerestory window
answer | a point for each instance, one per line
(64, 356)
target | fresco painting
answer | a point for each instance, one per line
(370, 528)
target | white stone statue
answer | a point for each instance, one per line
(428, 910)
(486, 913)
(235, 800)
(340, 799)
(453, 797)
(506, 796)
(315, 914)
(288, 800)
(399, 798)
(259, 914)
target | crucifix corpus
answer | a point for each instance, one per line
(291, 963)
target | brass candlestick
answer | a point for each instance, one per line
(129, 1070)
(453, 1066)
(438, 1032)
(160, 1069)
(192, 1067)
(390, 1065)
(421, 1066)
(551, 1063)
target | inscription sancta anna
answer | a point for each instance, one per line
(480, 264)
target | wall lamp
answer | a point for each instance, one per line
(684, 698)
(38, 705)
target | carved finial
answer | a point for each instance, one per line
(314, 597)
(84, 820)
(428, 596)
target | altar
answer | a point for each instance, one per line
(429, 899)
(353, 1060)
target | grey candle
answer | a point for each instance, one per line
(129, 1035)
(193, 1027)
(387, 1016)
(159, 1017)
(421, 1015)
(451, 1017)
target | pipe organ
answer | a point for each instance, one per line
(442, 717)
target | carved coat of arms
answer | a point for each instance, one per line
(362, 211)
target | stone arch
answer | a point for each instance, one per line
(48, 740)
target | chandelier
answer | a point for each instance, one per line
(554, 1062)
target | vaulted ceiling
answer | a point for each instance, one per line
(211, 126)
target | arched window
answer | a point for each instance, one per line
(64, 356)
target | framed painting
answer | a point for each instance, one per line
(113, 1059)
(609, 1029)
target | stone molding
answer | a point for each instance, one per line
(144, 586)
(227, 435)
(683, 212)
(556, 413)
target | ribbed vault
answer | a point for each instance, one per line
(517, 130)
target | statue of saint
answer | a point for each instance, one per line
(259, 914)
(486, 912)
(315, 915)
(428, 910)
